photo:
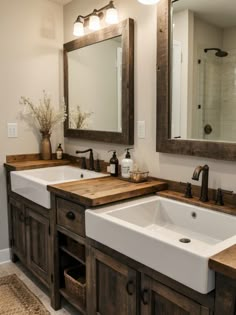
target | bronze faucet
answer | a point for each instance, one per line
(91, 160)
(204, 188)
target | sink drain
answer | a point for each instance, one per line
(185, 240)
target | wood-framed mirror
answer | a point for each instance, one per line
(202, 143)
(99, 85)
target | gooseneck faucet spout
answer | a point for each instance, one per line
(204, 188)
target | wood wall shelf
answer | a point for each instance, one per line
(65, 250)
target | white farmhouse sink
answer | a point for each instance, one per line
(150, 231)
(32, 184)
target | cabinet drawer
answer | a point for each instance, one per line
(71, 216)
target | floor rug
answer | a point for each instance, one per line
(17, 299)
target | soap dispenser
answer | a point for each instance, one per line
(114, 164)
(127, 164)
(59, 152)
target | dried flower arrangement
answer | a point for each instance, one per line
(78, 119)
(44, 115)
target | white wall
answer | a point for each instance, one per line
(31, 49)
(183, 32)
(179, 168)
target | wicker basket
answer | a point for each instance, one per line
(75, 248)
(75, 283)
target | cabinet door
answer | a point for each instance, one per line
(38, 233)
(158, 299)
(18, 241)
(112, 286)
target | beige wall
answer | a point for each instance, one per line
(31, 45)
(179, 168)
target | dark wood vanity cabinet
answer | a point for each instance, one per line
(30, 236)
(158, 299)
(112, 286)
(118, 289)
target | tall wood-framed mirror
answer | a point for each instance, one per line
(99, 85)
(202, 123)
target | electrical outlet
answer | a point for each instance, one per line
(141, 129)
(12, 130)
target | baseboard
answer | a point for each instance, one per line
(4, 255)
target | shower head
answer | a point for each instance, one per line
(219, 52)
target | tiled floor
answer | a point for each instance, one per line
(35, 287)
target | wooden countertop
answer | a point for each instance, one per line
(94, 192)
(27, 165)
(225, 262)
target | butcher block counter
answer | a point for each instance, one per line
(30, 161)
(94, 192)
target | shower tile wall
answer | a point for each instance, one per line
(228, 98)
(212, 96)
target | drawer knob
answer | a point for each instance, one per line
(70, 215)
(130, 287)
(145, 296)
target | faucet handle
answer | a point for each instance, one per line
(91, 160)
(98, 167)
(188, 191)
(219, 196)
(83, 162)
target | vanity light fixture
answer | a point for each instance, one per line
(93, 20)
(148, 1)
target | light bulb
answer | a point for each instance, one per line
(111, 16)
(78, 29)
(94, 22)
(148, 1)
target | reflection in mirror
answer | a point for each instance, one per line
(95, 84)
(203, 92)
(99, 85)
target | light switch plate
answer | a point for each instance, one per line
(141, 129)
(12, 130)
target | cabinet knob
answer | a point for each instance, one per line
(70, 215)
(21, 217)
(130, 287)
(145, 296)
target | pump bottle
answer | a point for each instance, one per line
(59, 152)
(114, 165)
(127, 164)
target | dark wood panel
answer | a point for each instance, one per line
(113, 286)
(18, 239)
(225, 296)
(158, 299)
(38, 242)
(93, 192)
(71, 216)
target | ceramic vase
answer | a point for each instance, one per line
(45, 147)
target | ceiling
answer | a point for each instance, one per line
(221, 13)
